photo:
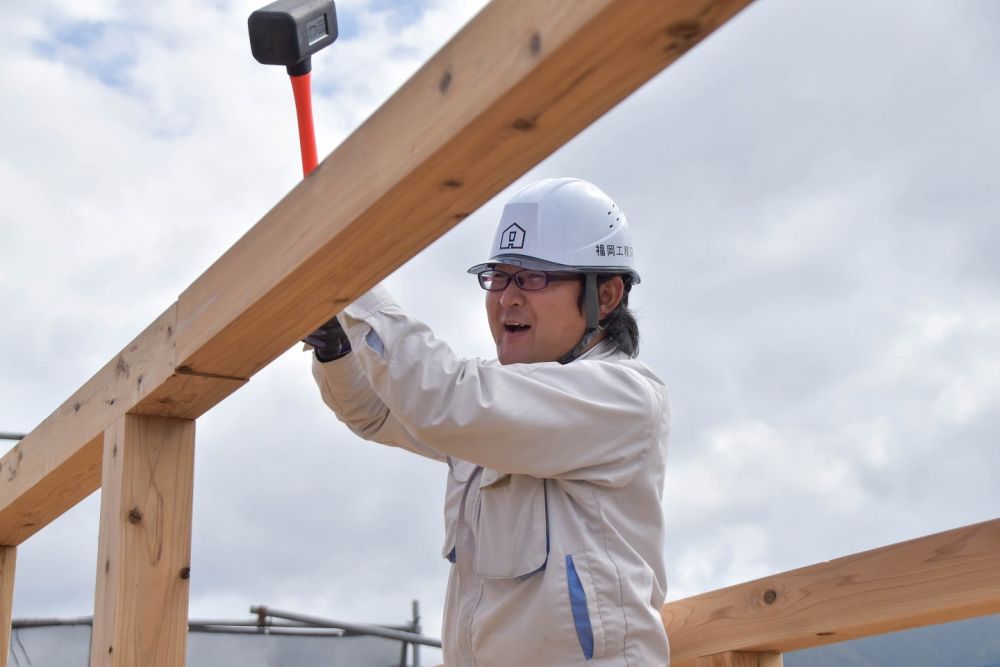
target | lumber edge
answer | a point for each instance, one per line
(939, 578)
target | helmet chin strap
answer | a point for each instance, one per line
(591, 310)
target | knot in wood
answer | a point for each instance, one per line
(684, 30)
(524, 124)
(770, 595)
(185, 573)
(134, 515)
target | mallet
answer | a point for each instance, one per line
(288, 32)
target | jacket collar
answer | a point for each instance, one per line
(603, 351)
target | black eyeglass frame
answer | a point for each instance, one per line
(519, 281)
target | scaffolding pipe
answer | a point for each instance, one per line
(18, 624)
(356, 628)
(234, 627)
(11, 436)
(297, 631)
(416, 629)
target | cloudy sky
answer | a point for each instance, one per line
(813, 197)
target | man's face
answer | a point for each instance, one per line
(537, 325)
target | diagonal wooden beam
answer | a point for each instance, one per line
(935, 579)
(58, 464)
(514, 85)
(520, 80)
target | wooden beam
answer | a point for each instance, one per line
(58, 464)
(521, 79)
(943, 577)
(516, 83)
(739, 659)
(144, 547)
(8, 558)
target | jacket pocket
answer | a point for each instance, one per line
(512, 531)
(584, 605)
(459, 472)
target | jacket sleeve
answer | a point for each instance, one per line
(347, 392)
(590, 419)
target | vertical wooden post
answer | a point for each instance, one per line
(7, 559)
(144, 547)
(741, 659)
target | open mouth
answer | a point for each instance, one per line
(515, 327)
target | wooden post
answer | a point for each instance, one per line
(7, 559)
(144, 547)
(741, 659)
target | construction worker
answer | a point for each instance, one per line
(554, 525)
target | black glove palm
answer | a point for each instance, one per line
(330, 341)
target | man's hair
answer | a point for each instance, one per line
(620, 327)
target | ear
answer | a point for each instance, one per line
(609, 295)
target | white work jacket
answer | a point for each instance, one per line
(553, 516)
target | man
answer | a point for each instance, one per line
(554, 526)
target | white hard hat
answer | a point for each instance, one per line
(563, 224)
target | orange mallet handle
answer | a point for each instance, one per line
(302, 90)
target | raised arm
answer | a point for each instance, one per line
(591, 419)
(347, 392)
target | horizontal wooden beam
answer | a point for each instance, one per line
(943, 577)
(740, 659)
(516, 83)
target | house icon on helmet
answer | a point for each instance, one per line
(512, 238)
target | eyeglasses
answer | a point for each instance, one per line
(530, 280)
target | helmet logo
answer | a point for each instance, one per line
(512, 238)
(610, 250)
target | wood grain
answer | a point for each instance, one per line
(943, 577)
(8, 559)
(738, 659)
(144, 547)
